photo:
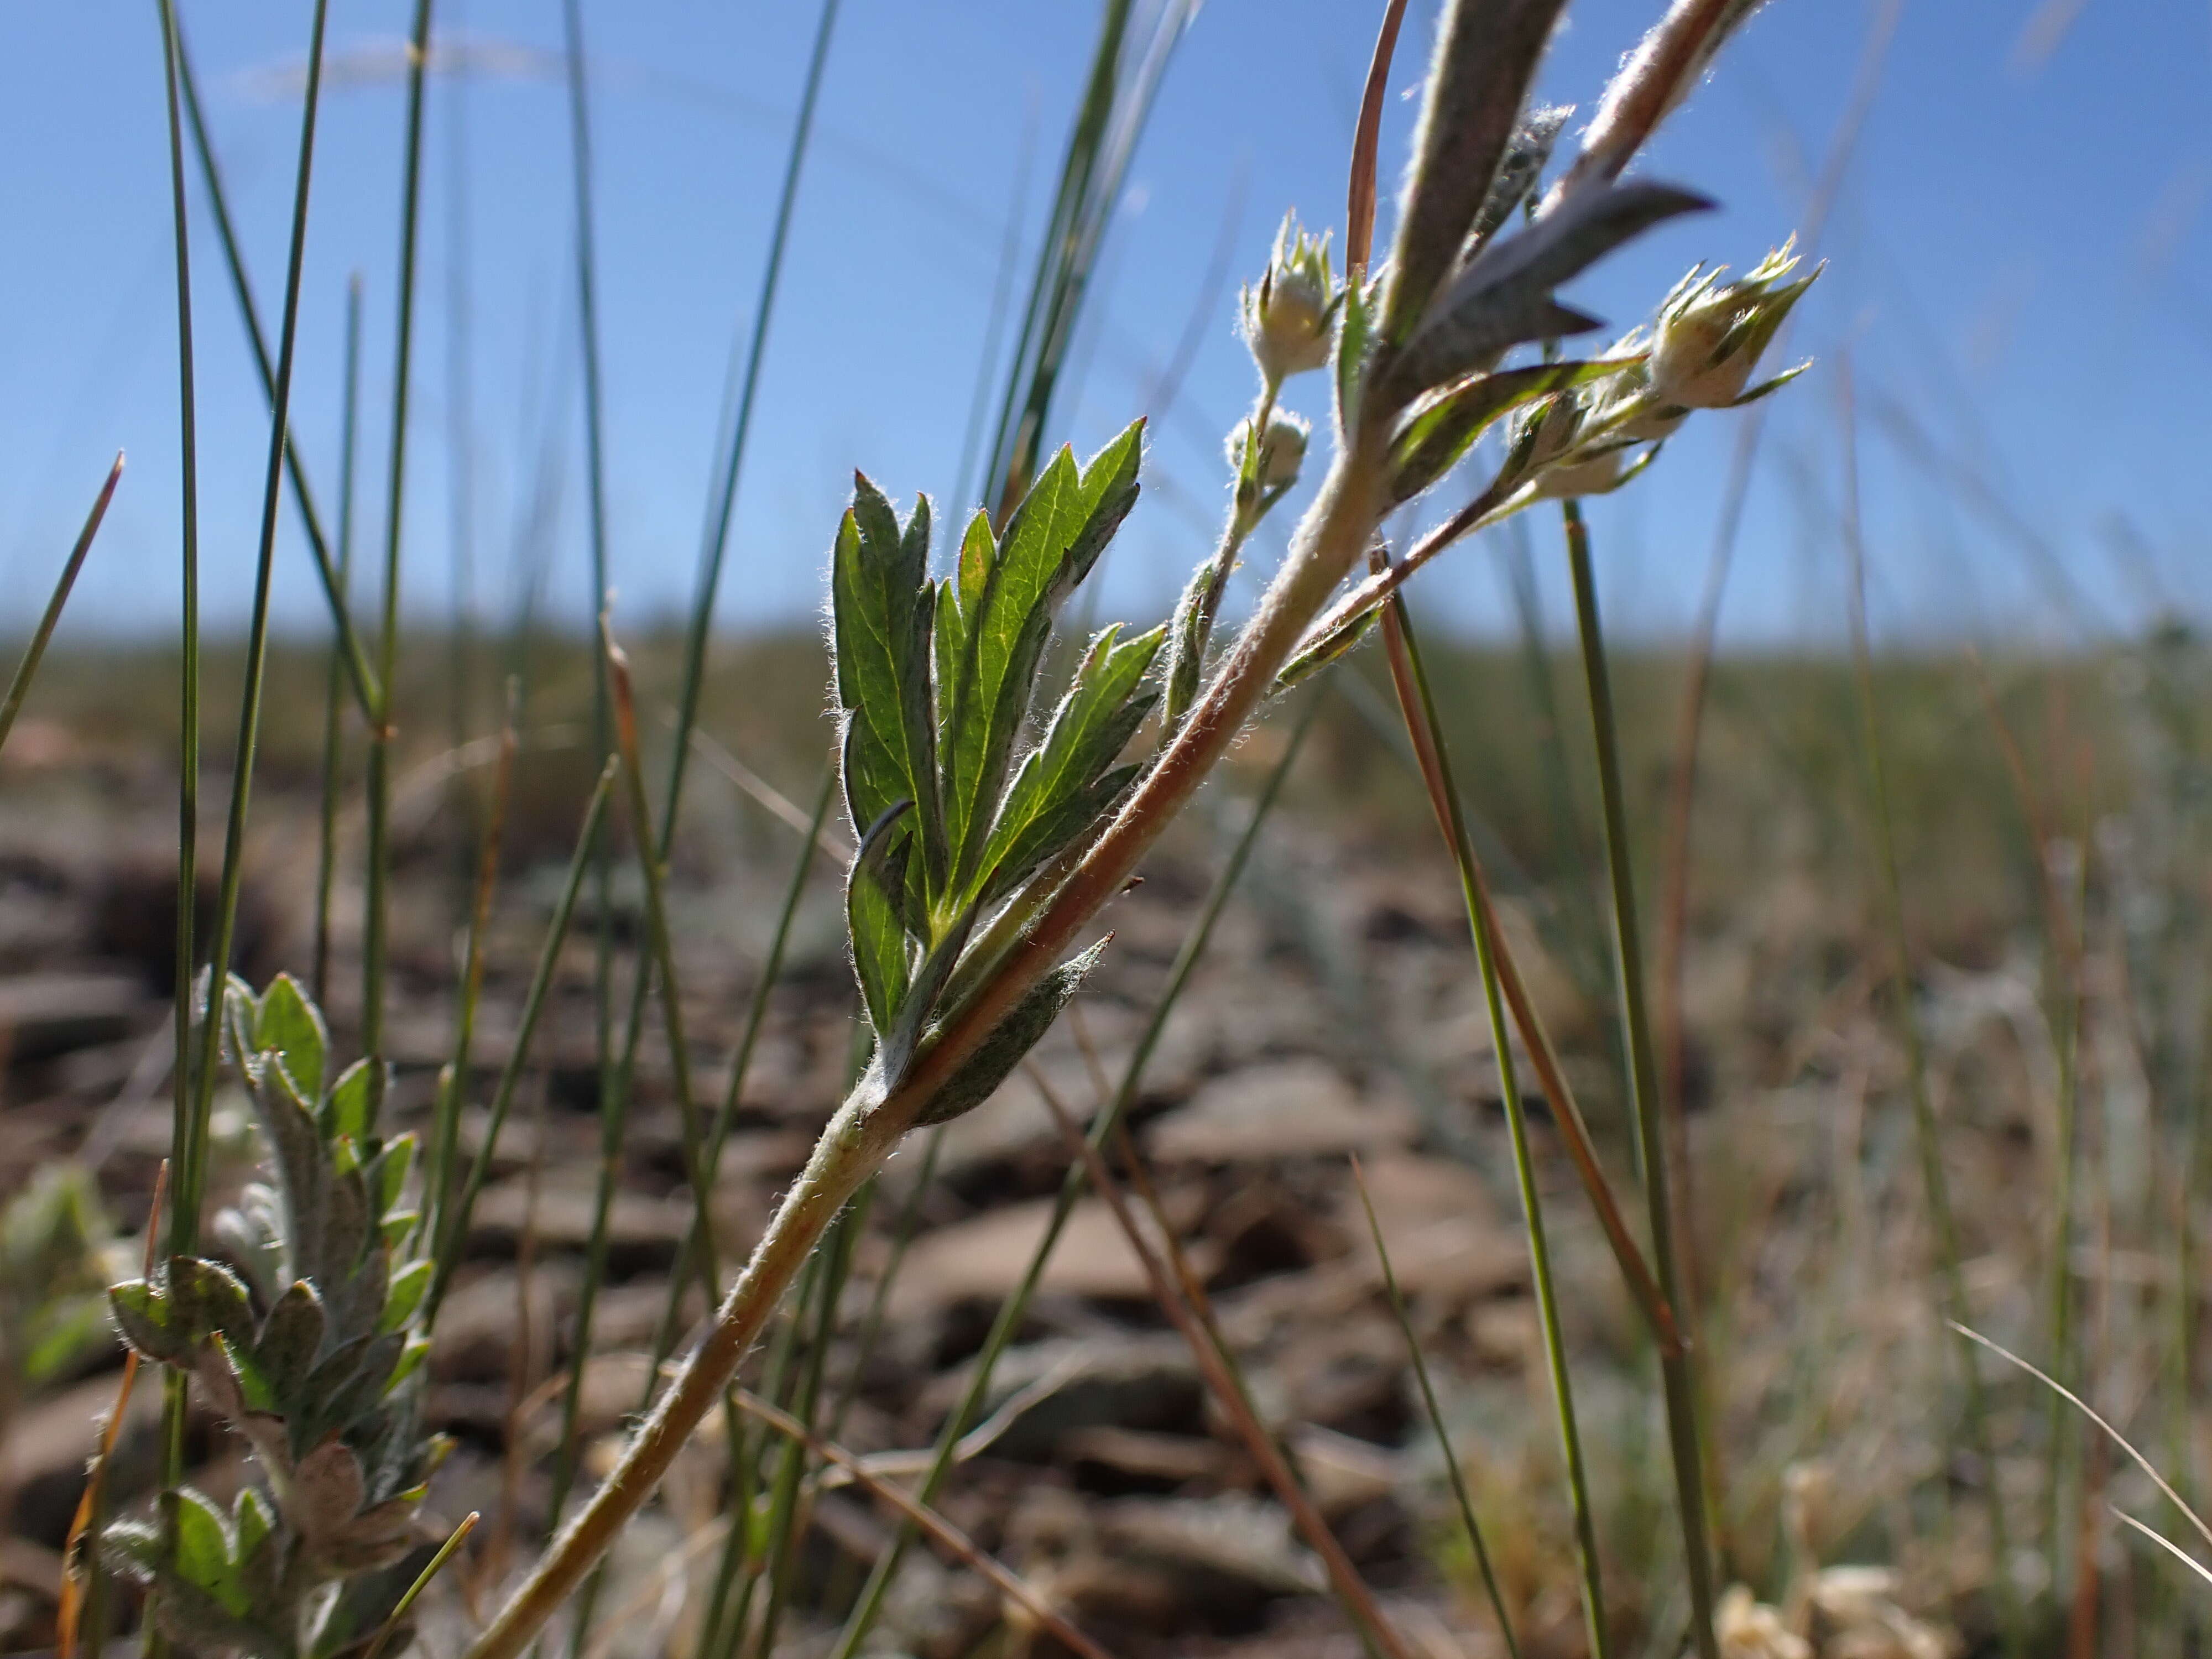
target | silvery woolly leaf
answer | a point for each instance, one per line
(326, 1493)
(210, 1299)
(291, 1337)
(1487, 52)
(1503, 297)
(1527, 153)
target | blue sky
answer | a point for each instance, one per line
(2018, 276)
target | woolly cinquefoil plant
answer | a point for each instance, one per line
(300, 1339)
(988, 846)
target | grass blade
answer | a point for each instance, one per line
(454, 1085)
(377, 923)
(1413, 692)
(334, 590)
(1205, 1348)
(30, 667)
(333, 741)
(1677, 1381)
(190, 1173)
(454, 1229)
(1452, 1469)
(616, 1085)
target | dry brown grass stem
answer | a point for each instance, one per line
(1343, 1578)
(1005, 1581)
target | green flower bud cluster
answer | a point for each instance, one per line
(1287, 317)
(1699, 353)
(300, 1340)
(1282, 451)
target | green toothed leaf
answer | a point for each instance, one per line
(883, 606)
(1007, 597)
(288, 1025)
(882, 958)
(1094, 722)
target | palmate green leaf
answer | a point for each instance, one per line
(1442, 428)
(1096, 718)
(881, 604)
(881, 957)
(1003, 598)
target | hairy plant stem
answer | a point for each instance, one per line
(1105, 1119)
(1677, 1381)
(871, 1121)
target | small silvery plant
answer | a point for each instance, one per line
(300, 1340)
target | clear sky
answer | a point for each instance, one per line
(2018, 274)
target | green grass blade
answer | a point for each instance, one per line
(377, 921)
(1677, 1381)
(1452, 1470)
(1414, 693)
(334, 589)
(616, 1084)
(1011, 1313)
(715, 542)
(30, 667)
(189, 1178)
(184, 1227)
(453, 1085)
(333, 734)
(453, 1230)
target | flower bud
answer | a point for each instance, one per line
(1287, 319)
(1710, 334)
(1282, 451)
(1600, 474)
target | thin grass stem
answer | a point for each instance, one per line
(191, 1169)
(333, 731)
(28, 668)
(1686, 1440)
(363, 681)
(378, 908)
(1414, 693)
(184, 1230)
(454, 1230)
(454, 1085)
(1456, 1475)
